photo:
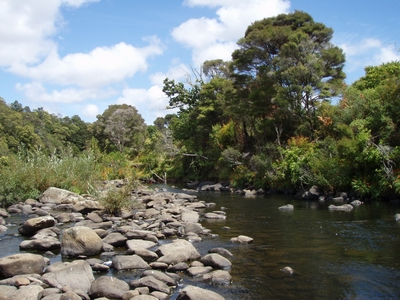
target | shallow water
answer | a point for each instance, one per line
(335, 255)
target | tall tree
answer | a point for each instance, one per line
(285, 66)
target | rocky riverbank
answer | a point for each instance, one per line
(157, 241)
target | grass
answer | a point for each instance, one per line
(29, 174)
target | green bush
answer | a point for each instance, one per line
(115, 200)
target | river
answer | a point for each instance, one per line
(334, 255)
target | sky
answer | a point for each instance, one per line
(77, 57)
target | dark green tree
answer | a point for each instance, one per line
(285, 66)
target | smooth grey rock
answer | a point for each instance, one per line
(80, 240)
(124, 262)
(195, 293)
(177, 251)
(110, 287)
(27, 292)
(242, 239)
(344, 207)
(77, 274)
(287, 207)
(31, 226)
(21, 263)
(216, 261)
(152, 283)
(219, 277)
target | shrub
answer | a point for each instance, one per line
(115, 199)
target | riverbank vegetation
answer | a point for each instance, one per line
(278, 115)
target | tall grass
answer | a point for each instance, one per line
(28, 174)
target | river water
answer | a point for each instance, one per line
(334, 255)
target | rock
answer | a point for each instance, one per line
(86, 206)
(397, 217)
(195, 293)
(152, 283)
(190, 216)
(59, 196)
(144, 297)
(196, 271)
(27, 292)
(193, 227)
(77, 275)
(213, 215)
(287, 270)
(63, 217)
(6, 291)
(139, 244)
(110, 287)
(70, 296)
(222, 251)
(31, 226)
(45, 244)
(124, 262)
(4, 213)
(139, 234)
(168, 280)
(344, 207)
(219, 277)
(178, 267)
(80, 240)
(216, 261)
(147, 255)
(356, 203)
(311, 194)
(177, 251)
(242, 239)
(94, 217)
(287, 207)
(22, 263)
(116, 239)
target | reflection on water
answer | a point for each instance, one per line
(335, 255)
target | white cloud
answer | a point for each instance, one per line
(90, 111)
(361, 47)
(100, 67)
(216, 38)
(368, 52)
(36, 92)
(387, 54)
(150, 103)
(27, 26)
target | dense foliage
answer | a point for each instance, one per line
(278, 115)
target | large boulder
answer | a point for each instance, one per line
(59, 196)
(110, 287)
(22, 263)
(195, 293)
(80, 240)
(78, 275)
(177, 251)
(31, 226)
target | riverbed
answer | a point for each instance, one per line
(334, 255)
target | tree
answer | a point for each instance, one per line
(121, 125)
(285, 67)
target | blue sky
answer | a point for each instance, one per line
(77, 57)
